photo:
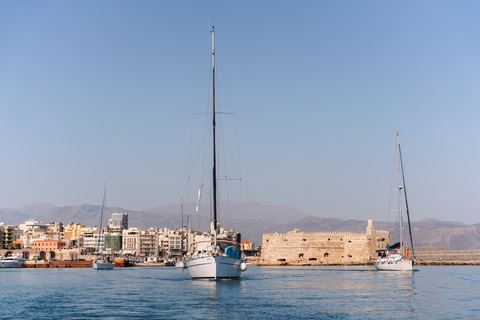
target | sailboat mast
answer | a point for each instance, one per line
(400, 187)
(214, 173)
(101, 219)
(181, 232)
(406, 200)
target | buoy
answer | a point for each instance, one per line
(243, 266)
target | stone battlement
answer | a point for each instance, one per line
(322, 248)
(306, 233)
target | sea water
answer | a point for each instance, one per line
(449, 292)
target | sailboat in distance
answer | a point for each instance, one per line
(181, 263)
(212, 262)
(398, 260)
(102, 263)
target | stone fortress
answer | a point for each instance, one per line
(298, 248)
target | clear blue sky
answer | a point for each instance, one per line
(105, 90)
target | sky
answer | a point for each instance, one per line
(94, 91)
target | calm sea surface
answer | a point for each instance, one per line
(262, 293)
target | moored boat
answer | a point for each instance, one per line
(398, 260)
(102, 263)
(213, 262)
(180, 264)
(13, 262)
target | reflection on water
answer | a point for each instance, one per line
(261, 293)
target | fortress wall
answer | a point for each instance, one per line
(322, 248)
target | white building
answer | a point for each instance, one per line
(33, 224)
(91, 239)
(130, 241)
(118, 222)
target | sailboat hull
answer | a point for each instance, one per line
(394, 265)
(214, 267)
(100, 265)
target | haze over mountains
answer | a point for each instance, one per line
(251, 219)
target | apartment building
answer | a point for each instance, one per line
(148, 243)
(6, 235)
(131, 241)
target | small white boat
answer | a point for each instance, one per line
(13, 262)
(396, 261)
(180, 264)
(103, 265)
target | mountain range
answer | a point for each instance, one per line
(252, 219)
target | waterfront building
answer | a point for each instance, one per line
(6, 235)
(118, 222)
(31, 230)
(71, 233)
(148, 243)
(18, 235)
(229, 235)
(92, 240)
(27, 240)
(113, 242)
(175, 245)
(55, 228)
(249, 248)
(45, 249)
(32, 224)
(170, 242)
(130, 241)
(327, 248)
(246, 245)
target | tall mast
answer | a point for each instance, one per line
(400, 187)
(214, 173)
(406, 200)
(181, 232)
(101, 220)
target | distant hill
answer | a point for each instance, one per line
(252, 219)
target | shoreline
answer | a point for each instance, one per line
(417, 263)
(88, 264)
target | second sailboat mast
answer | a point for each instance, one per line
(214, 176)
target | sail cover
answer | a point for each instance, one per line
(395, 246)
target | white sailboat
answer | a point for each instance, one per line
(398, 260)
(211, 263)
(181, 263)
(102, 263)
